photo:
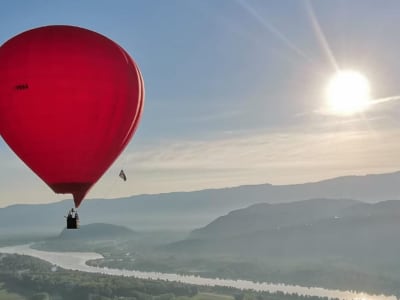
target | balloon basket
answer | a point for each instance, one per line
(72, 223)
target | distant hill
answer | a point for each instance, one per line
(349, 230)
(97, 231)
(265, 216)
(190, 210)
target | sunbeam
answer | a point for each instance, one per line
(321, 36)
(278, 34)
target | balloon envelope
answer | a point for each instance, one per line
(70, 101)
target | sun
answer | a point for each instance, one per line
(348, 93)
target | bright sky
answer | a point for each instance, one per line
(235, 91)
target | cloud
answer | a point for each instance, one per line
(278, 158)
(293, 156)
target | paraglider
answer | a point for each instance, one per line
(70, 102)
(122, 175)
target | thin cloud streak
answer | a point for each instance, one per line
(383, 100)
(295, 156)
(328, 111)
(277, 158)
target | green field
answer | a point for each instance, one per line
(5, 295)
(206, 296)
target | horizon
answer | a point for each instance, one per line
(231, 187)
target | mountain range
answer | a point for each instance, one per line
(185, 211)
(312, 229)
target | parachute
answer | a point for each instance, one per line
(70, 102)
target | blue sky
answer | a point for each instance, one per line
(234, 91)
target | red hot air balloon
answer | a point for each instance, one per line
(70, 101)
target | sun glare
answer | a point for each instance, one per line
(348, 92)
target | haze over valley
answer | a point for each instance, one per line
(341, 243)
